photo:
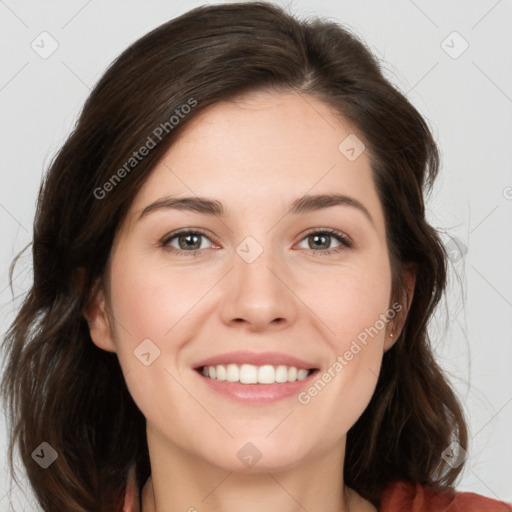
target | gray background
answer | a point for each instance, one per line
(466, 97)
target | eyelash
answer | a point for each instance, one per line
(345, 242)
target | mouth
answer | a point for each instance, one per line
(255, 378)
(256, 385)
(252, 374)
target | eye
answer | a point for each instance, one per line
(319, 241)
(185, 241)
(190, 242)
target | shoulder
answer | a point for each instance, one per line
(407, 497)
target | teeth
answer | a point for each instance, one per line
(250, 374)
(221, 373)
(302, 374)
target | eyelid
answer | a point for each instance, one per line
(168, 237)
(330, 231)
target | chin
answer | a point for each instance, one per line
(254, 454)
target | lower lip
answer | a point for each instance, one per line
(258, 393)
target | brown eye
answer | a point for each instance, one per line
(319, 241)
(322, 241)
(185, 242)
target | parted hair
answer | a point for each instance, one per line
(60, 388)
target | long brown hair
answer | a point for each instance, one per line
(63, 390)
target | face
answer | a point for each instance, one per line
(260, 283)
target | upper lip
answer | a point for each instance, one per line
(256, 359)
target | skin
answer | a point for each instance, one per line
(256, 156)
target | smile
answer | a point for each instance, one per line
(256, 377)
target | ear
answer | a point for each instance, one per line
(99, 322)
(395, 326)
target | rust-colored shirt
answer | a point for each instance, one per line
(405, 497)
(397, 497)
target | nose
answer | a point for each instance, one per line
(259, 295)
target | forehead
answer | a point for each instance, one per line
(263, 150)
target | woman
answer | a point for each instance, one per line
(233, 277)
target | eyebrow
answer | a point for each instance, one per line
(208, 206)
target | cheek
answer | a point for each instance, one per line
(354, 307)
(151, 300)
(155, 307)
(351, 301)
(150, 306)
